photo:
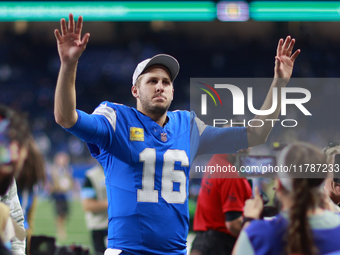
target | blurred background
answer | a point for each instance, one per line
(209, 38)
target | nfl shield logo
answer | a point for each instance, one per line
(164, 137)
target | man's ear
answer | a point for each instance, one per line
(134, 91)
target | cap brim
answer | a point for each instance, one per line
(166, 60)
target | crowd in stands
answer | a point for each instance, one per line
(29, 67)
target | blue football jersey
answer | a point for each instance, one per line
(147, 172)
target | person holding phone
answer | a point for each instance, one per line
(303, 226)
(14, 138)
(218, 216)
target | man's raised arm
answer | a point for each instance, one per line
(70, 48)
(284, 62)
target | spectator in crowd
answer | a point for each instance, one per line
(332, 184)
(95, 205)
(32, 174)
(218, 217)
(303, 226)
(7, 232)
(62, 183)
(14, 137)
(9, 229)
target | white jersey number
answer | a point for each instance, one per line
(169, 176)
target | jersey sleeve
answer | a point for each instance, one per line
(213, 140)
(232, 195)
(88, 191)
(223, 140)
(97, 128)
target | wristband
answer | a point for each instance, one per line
(247, 219)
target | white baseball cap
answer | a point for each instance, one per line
(161, 59)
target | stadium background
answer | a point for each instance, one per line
(29, 65)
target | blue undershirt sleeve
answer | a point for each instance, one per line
(215, 140)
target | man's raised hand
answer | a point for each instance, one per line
(70, 44)
(284, 59)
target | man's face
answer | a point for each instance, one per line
(333, 188)
(155, 91)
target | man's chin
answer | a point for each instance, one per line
(159, 109)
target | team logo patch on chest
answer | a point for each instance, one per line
(136, 134)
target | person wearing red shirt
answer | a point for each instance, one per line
(218, 217)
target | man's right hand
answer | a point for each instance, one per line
(70, 44)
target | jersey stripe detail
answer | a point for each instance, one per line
(108, 113)
(200, 125)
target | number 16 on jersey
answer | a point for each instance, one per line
(148, 193)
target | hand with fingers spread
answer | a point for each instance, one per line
(284, 63)
(70, 44)
(284, 59)
(70, 48)
(254, 206)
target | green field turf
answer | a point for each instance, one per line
(76, 229)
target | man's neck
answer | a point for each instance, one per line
(159, 119)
